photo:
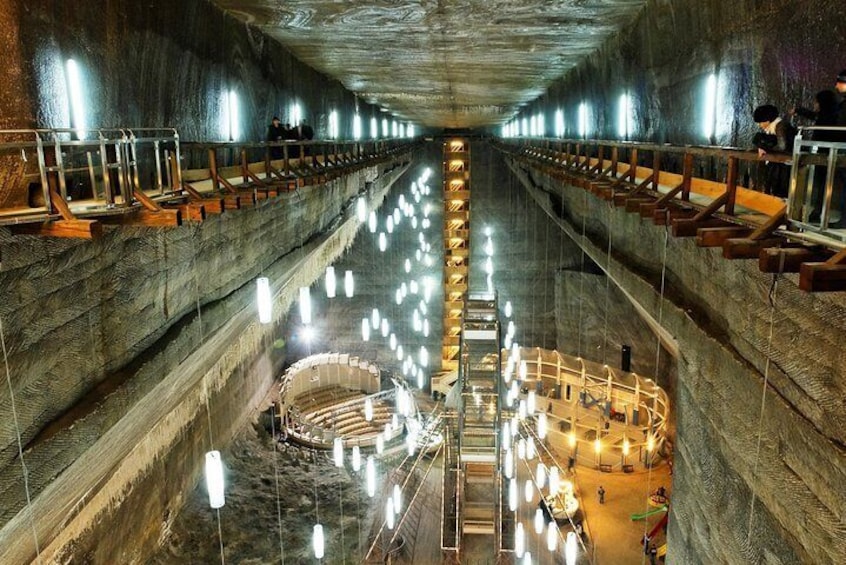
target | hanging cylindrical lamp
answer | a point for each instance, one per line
(264, 300)
(519, 540)
(512, 495)
(539, 524)
(509, 463)
(365, 329)
(375, 319)
(214, 479)
(540, 475)
(317, 541)
(349, 284)
(524, 370)
(552, 536)
(383, 241)
(508, 309)
(397, 495)
(530, 448)
(532, 402)
(361, 209)
(521, 449)
(389, 224)
(385, 326)
(389, 513)
(528, 490)
(370, 472)
(368, 409)
(330, 282)
(380, 444)
(407, 265)
(305, 305)
(554, 481)
(571, 548)
(356, 458)
(542, 425)
(506, 433)
(338, 452)
(372, 222)
(392, 341)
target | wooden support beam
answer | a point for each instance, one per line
(715, 237)
(191, 211)
(141, 217)
(731, 185)
(789, 259)
(771, 225)
(687, 176)
(748, 248)
(229, 186)
(213, 169)
(232, 202)
(684, 227)
(647, 209)
(146, 201)
(83, 229)
(634, 204)
(192, 192)
(60, 205)
(822, 277)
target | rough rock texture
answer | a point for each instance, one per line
(720, 311)
(155, 64)
(444, 64)
(121, 324)
(779, 52)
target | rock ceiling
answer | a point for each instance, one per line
(440, 63)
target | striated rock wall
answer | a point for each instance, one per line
(154, 64)
(117, 356)
(780, 52)
(733, 503)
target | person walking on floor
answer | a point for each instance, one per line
(601, 492)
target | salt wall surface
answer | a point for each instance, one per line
(154, 63)
(123, 350)
(720, 311)
(780, 52)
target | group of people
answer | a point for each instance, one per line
(276, 131)
(777, 135)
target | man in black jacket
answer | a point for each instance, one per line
(275, 132)
(776, 137)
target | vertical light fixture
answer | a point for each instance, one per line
(394, 129)
(296, 114)
(330, 282)
(389, 513)
(583, 120)
(623, 116)
(264, 300)
(338, 452)
(365, 329)
(709, 112)
(356, 458)
(519, 540)
(383, 242)
(512, 494)
(552, 536)
(349, 284)
(571, 548)
(397, 498)
(370, 472)
(554, 481)
(214, 479)
(318, 542)
(356, 127)
(361, 209)
(385, 126)
(232, 115)
(333, 124)
(541, 121)
(368, 409)
(559, 123)
(77, 105)
(539, 521)
(372, 222)
(409, 130)
(374, 128)
(305, 305)
(528, 490)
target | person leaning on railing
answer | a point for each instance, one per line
(776, 137)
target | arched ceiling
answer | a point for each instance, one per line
(440, 63)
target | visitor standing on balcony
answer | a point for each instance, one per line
(775, 138)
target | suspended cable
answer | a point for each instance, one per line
(582, 270)
(20, 442)
(608, 279)
(276, 479)
(772, 300)
(207, 391)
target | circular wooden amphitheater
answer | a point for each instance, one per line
(324, 396)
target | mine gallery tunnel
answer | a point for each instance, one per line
(423, 281)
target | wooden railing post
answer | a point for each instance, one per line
(687, 176)
(614, 158)
(213, 168)
(731, 185)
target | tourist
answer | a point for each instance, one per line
(653, 554)
(840, 87)
(775, 138)
(823, 114)
(275, 132)
(601, 492)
